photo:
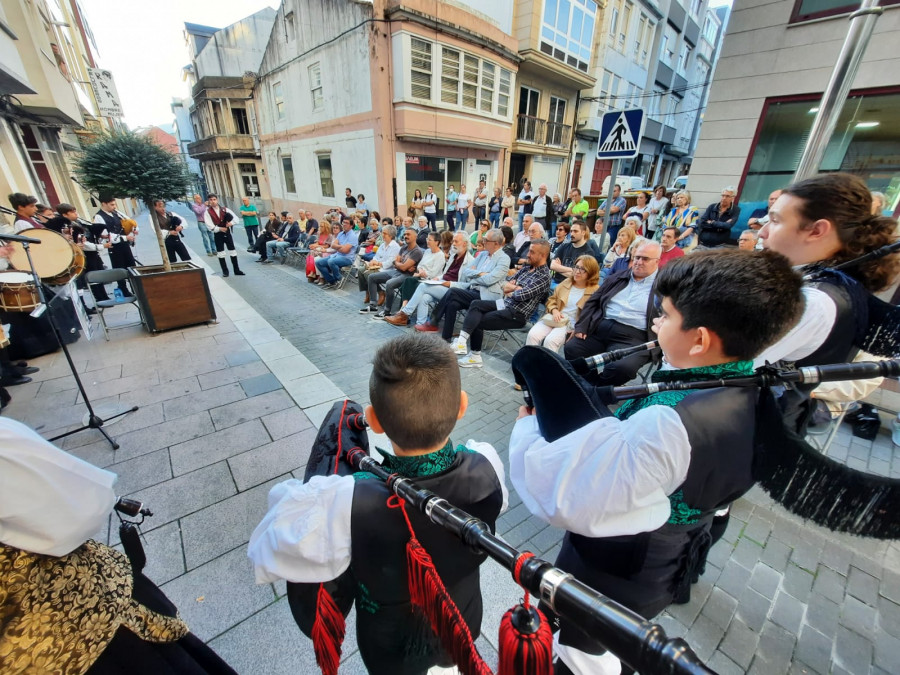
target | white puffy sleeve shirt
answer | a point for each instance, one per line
(610, 477)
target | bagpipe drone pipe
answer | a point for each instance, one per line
(341, 448)
(789, 469)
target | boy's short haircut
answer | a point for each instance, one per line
(63, 209)
(749, 299)
(415, 390)
(18, 200)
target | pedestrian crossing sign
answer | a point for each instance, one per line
(620, 134)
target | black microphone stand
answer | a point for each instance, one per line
(94, 421)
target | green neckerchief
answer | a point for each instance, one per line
(673, 398)
(681, 512)
(417, 466)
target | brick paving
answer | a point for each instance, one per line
(229, 409)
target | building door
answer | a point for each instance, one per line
(601, 171)
(516, 171)
(556, 127)
(529, 126)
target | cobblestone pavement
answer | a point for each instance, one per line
(228, 410)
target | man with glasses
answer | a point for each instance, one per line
(619, 315)
(714, 226)
(748, 240)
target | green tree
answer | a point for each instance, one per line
(124, 164)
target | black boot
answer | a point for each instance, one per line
(224, 267)
(234, 264)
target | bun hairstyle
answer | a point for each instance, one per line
(845, 201)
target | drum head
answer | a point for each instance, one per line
(16, 278)
(52, 256)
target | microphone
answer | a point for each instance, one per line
(599, 360)
(19, 238)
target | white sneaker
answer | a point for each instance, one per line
(460, 347)
(470, 361)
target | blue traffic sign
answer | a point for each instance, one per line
(620, 134)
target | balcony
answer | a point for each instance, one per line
(530, 129)
(558, 134)
(222, 145)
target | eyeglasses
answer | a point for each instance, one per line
(642, 258)
(579, 268)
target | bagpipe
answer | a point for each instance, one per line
(320, 610)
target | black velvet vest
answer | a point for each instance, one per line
(392, 639)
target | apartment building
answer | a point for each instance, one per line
(555, 47)
(224, 65)
(657, 56)
(776, 61)
(46, 50)
(384, 98)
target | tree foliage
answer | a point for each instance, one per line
(124, 164)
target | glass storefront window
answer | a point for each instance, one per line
(866, 142)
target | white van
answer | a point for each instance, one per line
(627, 183)
(680, 183)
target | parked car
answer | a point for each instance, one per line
(627, 183)
(680, 183)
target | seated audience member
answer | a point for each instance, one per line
(560, 237)
(619, 315)
(567, 252)
(422, 230)
(714, 226)
(430, 266)
(748, 240)
(446, 242)
(270, 229)
(523, 235)
(636, 492)
(761, 216)
(285, 239)
(624, 240)
(372, 241)
(427, 295)
(625, 261)
(508, 247)
(670, 250)
(482, 279)
(638, 214)
(684, 216)
(404, 265)
(342, 252)
(310, 231)
(566, 304)
(320, 249)
(382, 261)
(535, 232)
(521, 296)
(478, 235)
(339, 524)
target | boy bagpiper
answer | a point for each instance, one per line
(317, 531)
(636, 492)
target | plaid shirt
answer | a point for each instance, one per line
(534, 285)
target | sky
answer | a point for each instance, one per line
(142, 43)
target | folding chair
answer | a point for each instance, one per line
(106, 277)
(835, 427)
(517, 336)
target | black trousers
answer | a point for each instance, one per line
(610, 335)
(174, 246)
(453, 301)
(224, 240)
(483, 315)
(121, 257)
(92, 263)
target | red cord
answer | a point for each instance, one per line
(337, 457)
(517, 570)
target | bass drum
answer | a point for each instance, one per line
(56, 259)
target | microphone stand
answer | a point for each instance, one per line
(94, 421)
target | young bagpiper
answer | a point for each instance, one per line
(219, 220)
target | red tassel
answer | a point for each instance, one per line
(429, 595)
(328, 632)
(526, 641)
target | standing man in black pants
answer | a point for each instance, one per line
(219, 221)
(108, 225)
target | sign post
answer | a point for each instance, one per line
(620, 138)
(105, 92)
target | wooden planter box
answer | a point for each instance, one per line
(173, 299)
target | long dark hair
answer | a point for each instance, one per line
(845, 201)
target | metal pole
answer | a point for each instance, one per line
(862, 23)
(613, 177)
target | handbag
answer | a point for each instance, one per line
(548, 320)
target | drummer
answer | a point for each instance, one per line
(11, 373)
(108, 225)
(66, 223)
(25, 207)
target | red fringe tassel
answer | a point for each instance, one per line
(526, 641)
(428, 593)
(328, 632)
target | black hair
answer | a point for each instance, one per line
(508, 235)
(211, 195)
(407, 371)
(63, 209)
(749, 299)
(18, 200)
